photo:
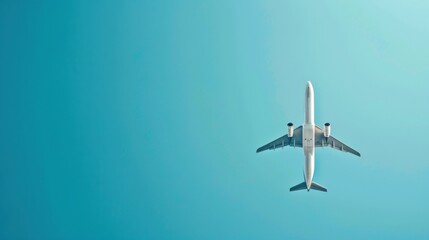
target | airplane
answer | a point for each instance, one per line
(308, 136)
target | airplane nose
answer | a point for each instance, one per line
(309, 90)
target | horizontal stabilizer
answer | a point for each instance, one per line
(303, 185)
(318, 187)
(300, 186)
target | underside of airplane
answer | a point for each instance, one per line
(308, 136)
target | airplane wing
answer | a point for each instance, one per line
(322, 141)
(295, 141)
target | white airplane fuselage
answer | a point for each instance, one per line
(308, 130)
(308, 136)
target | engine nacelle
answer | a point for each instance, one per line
(327, 131)
(290, 129)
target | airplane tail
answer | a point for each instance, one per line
(303, 185)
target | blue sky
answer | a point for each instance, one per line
(140, 119)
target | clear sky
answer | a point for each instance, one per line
(140, 119)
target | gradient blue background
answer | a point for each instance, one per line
(140, 119)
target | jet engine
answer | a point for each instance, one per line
(327, 131)
(290, 129)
